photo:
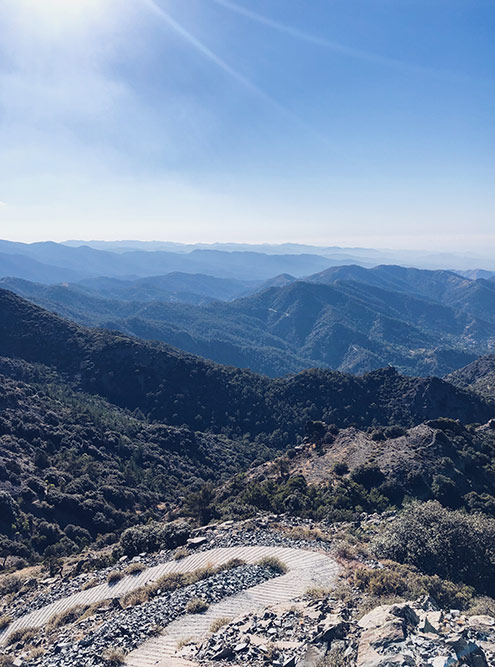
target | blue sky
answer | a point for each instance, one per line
(364, 122)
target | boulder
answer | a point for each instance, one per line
(430, 621)
(312, 656)
(382, 636)
(333, 627)
(481, 620)
(467, 651)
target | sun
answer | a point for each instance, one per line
(63, 10)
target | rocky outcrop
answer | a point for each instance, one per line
(409, 634)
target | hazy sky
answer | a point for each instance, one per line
(329, 121)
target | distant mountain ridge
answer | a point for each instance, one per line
(347, 318)
(93, 263)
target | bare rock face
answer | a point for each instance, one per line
(382, 627)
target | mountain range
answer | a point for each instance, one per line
(62, 262)
(347, 318)
(99, 430)
(49, 262)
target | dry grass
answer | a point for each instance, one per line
(231, 564)
(184, 642)
(4, 621)
(196, 606)
(90, 611)
(170, 582)
(135, 568)
(65, 617)
(23, 635)
(114, 576)
(139, 596)
(335, 658)
(90, 584)
(274, 564)
(114, 657)
(306, 533)
(219, 623)
(317, 593)
(173, 581)
(181, 553)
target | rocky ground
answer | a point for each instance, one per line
(84, 643)
(336, 628)
(314, 633)
(36, 592)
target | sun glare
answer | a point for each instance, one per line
(63, 11)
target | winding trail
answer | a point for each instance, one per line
(305, 569)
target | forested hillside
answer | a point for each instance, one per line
(347, 318)
(99, 429)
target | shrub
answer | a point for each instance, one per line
(114, 576)
(114, 657)
(367, 475)
(454, 545)
(22, 635)
(273, 563)
(135, 568)
(10, 584)
(4, 621)
(153, 537)
(405, 581)
(196, 606)
(341, 468)
(482, 606)
(180, 553)
(66, 617)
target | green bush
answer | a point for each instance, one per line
(405, 581)
(153, 537)
(450, 543)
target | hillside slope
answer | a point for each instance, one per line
(346, 325)
(179, 388)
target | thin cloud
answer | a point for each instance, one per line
(351, 52)
(2, 203)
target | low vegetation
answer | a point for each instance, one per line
(114, 576)
(451, 544)
(219, 623)
(396, 580)
(196, 606)
(22, 635)
(274, 564)
(5, 620)
(173, 581)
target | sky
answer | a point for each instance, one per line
(351, 122)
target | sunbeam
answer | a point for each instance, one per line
(351, 52)
(223, 65)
